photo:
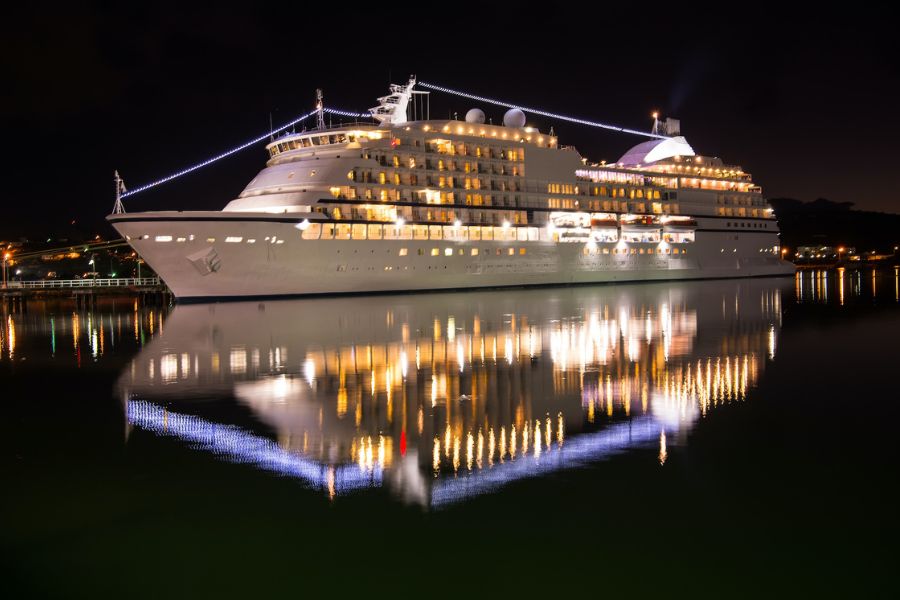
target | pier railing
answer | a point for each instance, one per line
(84, 283)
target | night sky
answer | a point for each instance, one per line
(805, 102)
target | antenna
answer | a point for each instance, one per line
(118, 207)
(271, 132)
(320, 109)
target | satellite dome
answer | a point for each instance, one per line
(514, 118)
(476, 115)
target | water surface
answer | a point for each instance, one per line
(723, 436)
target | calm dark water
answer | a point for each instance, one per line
(714, 438)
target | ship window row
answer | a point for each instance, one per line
(323, 140)
(724, 211)
(593, 250)
(511, 251)
(439, 214)
(363, 231)
(441, 181)
(442, 197)
(451, 148)
(478, 183)
(732, 173)
(230, 239)
(744, 224)
(740, 200)
(410, 161)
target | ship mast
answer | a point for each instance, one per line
(320, 110)
(118, 207)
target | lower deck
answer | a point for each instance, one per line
(209, 258)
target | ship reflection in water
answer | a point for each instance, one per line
(442, 397)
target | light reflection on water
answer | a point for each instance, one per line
(57, 330)
(439, 397)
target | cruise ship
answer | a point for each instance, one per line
(400, 204)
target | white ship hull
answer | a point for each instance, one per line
(280, 263)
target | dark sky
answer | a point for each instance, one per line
(803, 101)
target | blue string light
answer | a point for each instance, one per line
(535, 111)
(209, 161)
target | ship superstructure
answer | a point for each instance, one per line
(405, 204)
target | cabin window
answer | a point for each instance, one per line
(311, 232)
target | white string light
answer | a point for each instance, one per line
(209, 161)
(535, 111)
(344, 113)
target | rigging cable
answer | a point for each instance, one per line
(536, 111)
(236, 149)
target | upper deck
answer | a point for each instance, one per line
(512, 172)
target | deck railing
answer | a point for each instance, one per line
(84, 283)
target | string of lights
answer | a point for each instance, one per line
(209, 161)
(344, 113)
(536, 111)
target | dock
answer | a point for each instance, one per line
(16, 294)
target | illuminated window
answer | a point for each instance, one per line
(448, 251)
(359, 231)
(165, 238)
(251, 241)
(210, 240)
(511, 251)
(402, 252)
(435, 251)
(522, 250)
(181, 239)
(233, 239)
(474, 251)
(606, 251)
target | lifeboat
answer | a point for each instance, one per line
(679, 230)
(641, 228)
(604, 227)
(679, 225)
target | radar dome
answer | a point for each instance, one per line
(476, 115)
(514, 118)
